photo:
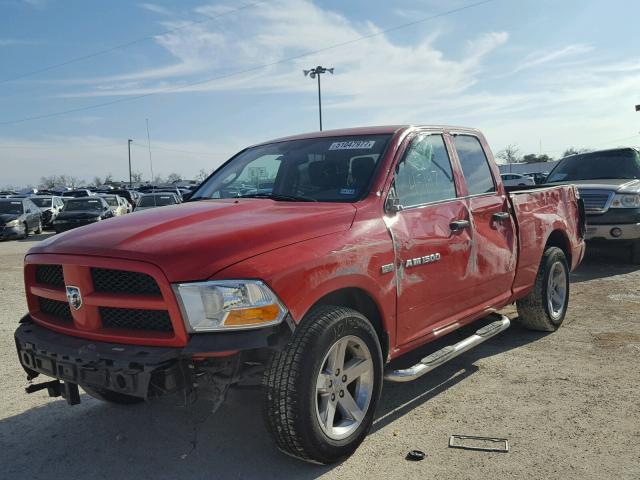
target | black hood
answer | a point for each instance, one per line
(7, 217)
(80, 214)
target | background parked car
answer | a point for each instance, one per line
(18, 217)
(49, 207)
(78, 193)
(82, 211)
(609, 185)
(538, 177)
(152, 200)
(516, 180)
(119, 206)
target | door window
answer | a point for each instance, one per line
(424, 175)
(474, 164)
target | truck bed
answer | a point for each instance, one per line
(542, 215)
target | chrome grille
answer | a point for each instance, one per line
(596, 200)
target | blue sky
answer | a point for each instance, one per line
(529, 72)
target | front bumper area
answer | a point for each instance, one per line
(60, 227)
(134, 370)
(7, 233)
(628, 231)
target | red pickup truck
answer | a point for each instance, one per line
(308, 264)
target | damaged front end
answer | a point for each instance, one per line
(208, 364)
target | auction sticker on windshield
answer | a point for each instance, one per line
(353, 145)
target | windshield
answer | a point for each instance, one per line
(157, 200)
(42, 202)
(335, 169)
(597, 165)
(81, 205)
(12, 207)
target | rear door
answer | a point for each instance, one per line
(494, 241)
(433, 284)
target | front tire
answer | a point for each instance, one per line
(39, 229)
(322, 390)
(26, 230)
(546, 305)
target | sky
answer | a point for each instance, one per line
(79, 78)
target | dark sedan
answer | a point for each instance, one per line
(81, 211)
(18, 217)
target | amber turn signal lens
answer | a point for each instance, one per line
(252, 316)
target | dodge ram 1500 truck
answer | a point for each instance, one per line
(609, 185)
(307, 264)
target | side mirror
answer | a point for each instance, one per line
(392, 203)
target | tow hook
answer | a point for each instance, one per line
(56, 388)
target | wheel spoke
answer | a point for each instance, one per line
(350, 407)
(356, 367)
(336, 357)
(330, 413)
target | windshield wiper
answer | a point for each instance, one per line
(278, 197)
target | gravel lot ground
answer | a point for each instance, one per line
(568, 402)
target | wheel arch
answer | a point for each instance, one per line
(558, 238)
(360, 300)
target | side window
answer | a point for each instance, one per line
(474, 165)
(424, 175)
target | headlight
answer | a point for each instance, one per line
(12, 223)
(626, 200)
(228, 305)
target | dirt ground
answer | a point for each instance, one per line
(568, 402)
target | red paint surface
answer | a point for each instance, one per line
(306, 251)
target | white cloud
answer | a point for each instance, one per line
(538, 58)
(7, 42)
(367, 70)
(154, 8)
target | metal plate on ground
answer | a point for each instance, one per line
(485, 444)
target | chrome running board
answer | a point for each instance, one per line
(447, 353)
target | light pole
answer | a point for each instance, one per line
(129, 148)
(313, 73)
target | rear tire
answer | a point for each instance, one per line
(321, 391)
(545, 307)
(110, 396)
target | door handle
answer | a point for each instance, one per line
(457, 225)
(500, 216)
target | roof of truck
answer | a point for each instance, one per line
(373, 130)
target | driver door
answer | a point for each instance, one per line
(432, 238)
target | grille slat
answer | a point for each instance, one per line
(50, 275)
(134, 319)
(594, 200)
(56, 309)
(121, 281)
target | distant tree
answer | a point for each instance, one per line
(49, 182)
(174, 177)
(510, 154)
(202, 175)
(108, 179)
(574, 151)
(136, 177)
(158, 179)
(97, 181)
